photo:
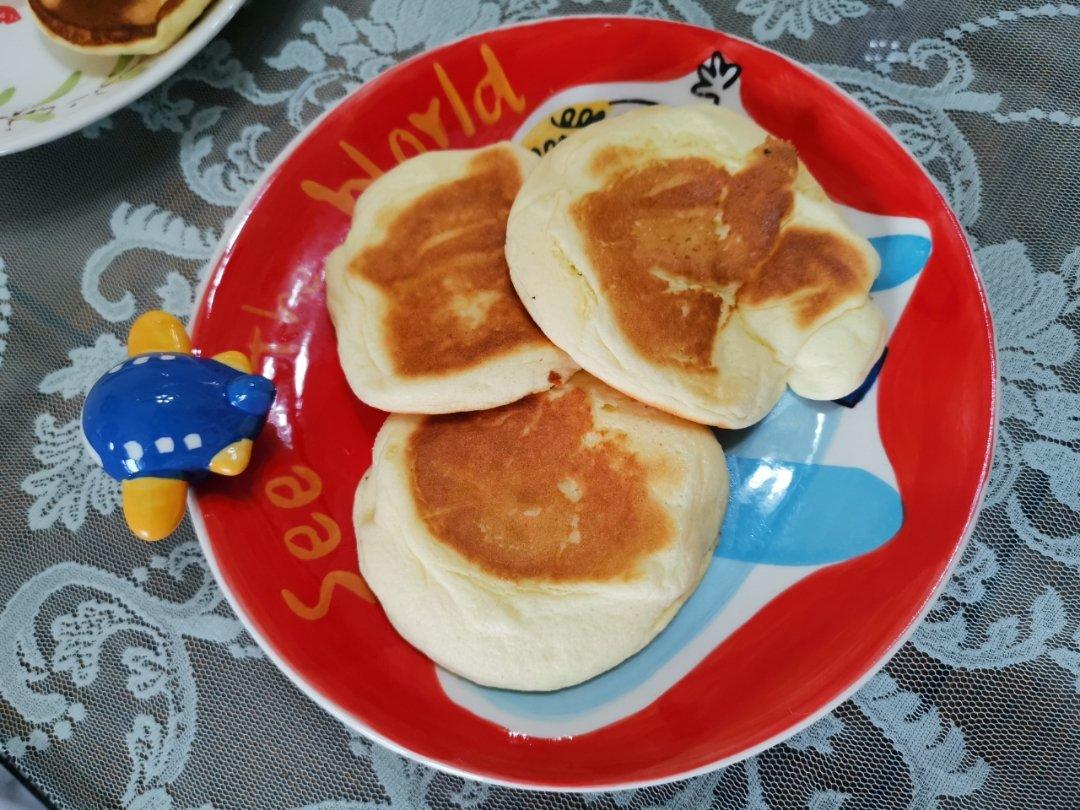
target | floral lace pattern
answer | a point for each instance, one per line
(131, 654)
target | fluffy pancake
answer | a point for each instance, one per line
(689, 259)
(536, 545)
(116, 26)
(427, 320)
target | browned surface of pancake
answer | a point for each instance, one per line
(450, 304)
(678, 243)
(103, 22)
(813, 267)
(531, 491)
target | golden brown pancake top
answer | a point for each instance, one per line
(103, 22)
(450, 304)
(533, 491)
(679, 243)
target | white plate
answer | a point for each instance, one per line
(48, 91)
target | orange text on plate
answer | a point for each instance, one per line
(309, 542)
(425, 128)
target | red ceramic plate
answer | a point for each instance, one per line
(843, 522)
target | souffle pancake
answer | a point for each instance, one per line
(427, 320)
(536, 545)
(116, 26)
(688, 258)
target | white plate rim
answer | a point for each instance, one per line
(161, 67)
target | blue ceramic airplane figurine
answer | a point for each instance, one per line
(164, 418)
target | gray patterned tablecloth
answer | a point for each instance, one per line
(125, 680)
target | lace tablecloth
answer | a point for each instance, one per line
(170, 705)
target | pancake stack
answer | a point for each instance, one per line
(528, 525)
(116, 26)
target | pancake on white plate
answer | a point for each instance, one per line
(426, 318)
(116, 26)
(536, 545)
(689, 259)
